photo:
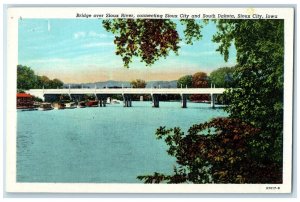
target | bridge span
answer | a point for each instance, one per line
(102, 93)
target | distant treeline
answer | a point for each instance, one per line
(27, 79)
(221, 78)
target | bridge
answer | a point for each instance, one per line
(102, 93)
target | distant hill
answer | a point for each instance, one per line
(126, 84)
(162, 84)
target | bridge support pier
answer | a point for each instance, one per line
(102, 100)
(212, 102)
(127, 100)
(78, 94)
(155, 100)
(183, 101)
(51, 97)
(77, 97)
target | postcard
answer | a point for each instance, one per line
(149, 100)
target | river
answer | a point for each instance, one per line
(110, 144)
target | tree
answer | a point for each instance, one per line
(222, 77)
(185, 81)
(25, 77)
(257, 102)
(45, 81)
(218, 151)
(148, 39)
(56, 83)
(39, 82)
(200, 80)
(138, 83)
(259, 76)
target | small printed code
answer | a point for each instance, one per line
(272, 188)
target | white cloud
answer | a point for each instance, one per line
(90, 34)
(37, 29)
(78, 35)
(48, 60)
(49, 26)
(95, 34)
(198, 54)
(182, 43)
(100, 44)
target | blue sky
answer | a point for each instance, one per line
(80, 50)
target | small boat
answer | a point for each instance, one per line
(112, 101)
(115, 101)
(92, 103)
(45, 106)
(81, 105)
(36, 104)
(59, 106)
(70, 105)
(27, 109)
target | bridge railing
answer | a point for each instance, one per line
(130, 91)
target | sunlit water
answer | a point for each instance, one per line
(108, 144)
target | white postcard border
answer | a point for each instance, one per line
(44, 12)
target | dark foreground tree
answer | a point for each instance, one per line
(257, 102)
(149, 39)
(218, 151)
(259, 76)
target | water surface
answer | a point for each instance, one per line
(111, 144)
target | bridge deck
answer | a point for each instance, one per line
(129, 91)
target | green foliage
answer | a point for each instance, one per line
(56, 83)
(222, 77)
(27, 79)
(37, 99)
(259, 98)
(185, 81)
(218, 151)
(192, 30)
(138, 83)
(144, 38)
(246, 147)
(200, 80)
(149, 39)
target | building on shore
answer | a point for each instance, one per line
(24, 101)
